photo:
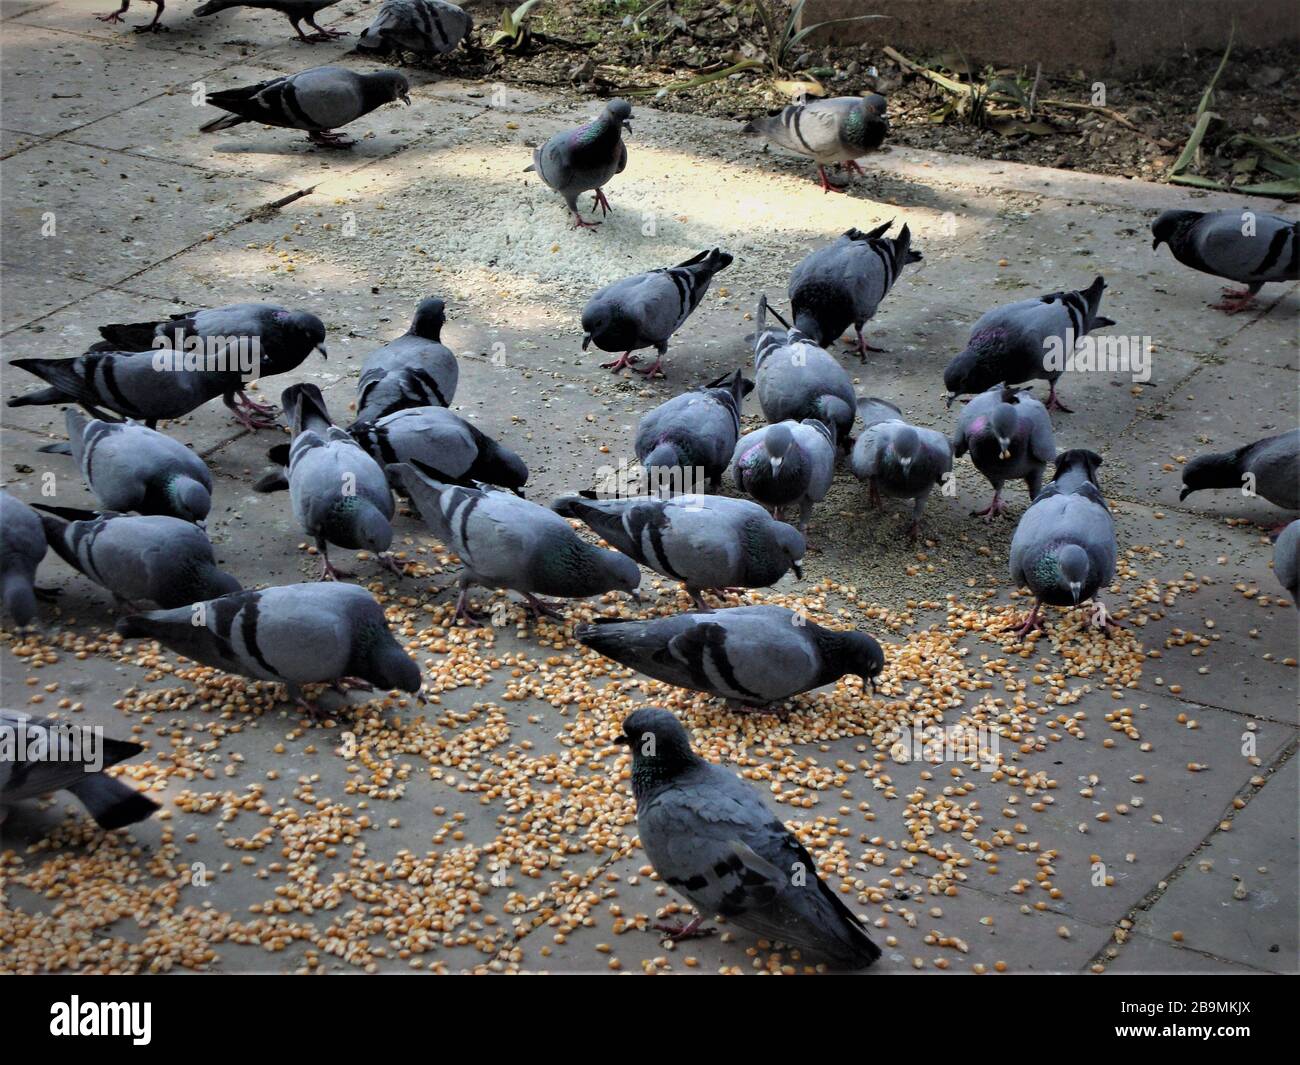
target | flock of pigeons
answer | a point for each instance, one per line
(709, 835)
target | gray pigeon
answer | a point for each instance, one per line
(1247, 246)
(1269, 468)
(49, 755)
(1063, 549)
(248, 339)
(795, 379)
(692, 434)
(1009, 436)
(1026, 340)
(191, 357)
(444, 442)
(508, 542)
(584, 159)
(755, 655)
(644, 310)
(785, 464)
(1286, 560)
(149, 557)
(425, 27)
(295, 634)
(839, 130)
(130, 467)
(295, 11)
(843, 283)
(415, 370)
(713, 840)
(318, 100)
(22, 546)
(897, 459)
(703, 541)
(126, 382)
(340, 494)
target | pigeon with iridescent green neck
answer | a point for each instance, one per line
(796, 378)
(839, 130)
(1064, 548)
(138, 557)
(130, 467)
(584, 159)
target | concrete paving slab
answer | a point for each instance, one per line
(1232, 898)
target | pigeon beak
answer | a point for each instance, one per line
(1184, 494)
(906, 464)
(405, 97)
(948, 401)
(776, 464)
(586, 341)
(1155, 244)
(323, 353)
(1075, 588)
(798, 570)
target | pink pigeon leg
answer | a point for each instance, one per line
(115, 16)
(1234, 300)
(994, 508)
(602, 203)
(1054, 401)
(1034, 621)
(626, 360)
(826, 182)
(693, 929)
(655, 369)
(327, 138)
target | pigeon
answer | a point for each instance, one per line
(584, 159)
(713, 840)
(138, 557)
(193, 357)
(1250, 247)
(1016, 342)
(22, 547)
(47, 755)
(318, 100)
(839, 130)
(1063, 549)
(787, 463)
(703, 541)
(294, 634)
(897, 459)
(444, 442)
(843, 283)
(508, 542)
(795, 379)
(693, 434)
(295, 11)
(415, 370)
(645, 310)
(1009, 436)
(425, 27)
(130, 467)
(1269, 468)
(125, 382)
(340, 494)
(1286, 559)
(754, 655)
(144, 27)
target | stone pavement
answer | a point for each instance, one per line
(1144, 816)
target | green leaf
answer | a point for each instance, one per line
(1272, 188)
(1193, 142)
